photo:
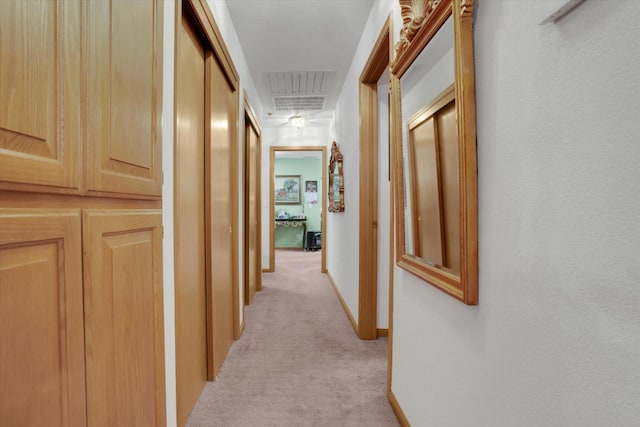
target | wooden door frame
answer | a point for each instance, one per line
(272, 204)
(203, 22)
(250, 120)
(375, 67)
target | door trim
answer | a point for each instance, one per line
(250, 120)
(375, 67)
(272, 205)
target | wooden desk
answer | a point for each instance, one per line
(293, 223)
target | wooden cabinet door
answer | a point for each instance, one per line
(124, 317)
(42, 381)
(39, 92)
(124, 97)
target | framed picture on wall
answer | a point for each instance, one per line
(287, 189)
(311, 186)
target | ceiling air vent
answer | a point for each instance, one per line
(298, 103)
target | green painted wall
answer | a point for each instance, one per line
(309, 169)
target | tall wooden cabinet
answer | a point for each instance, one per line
(81, 310)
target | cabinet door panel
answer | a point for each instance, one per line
(40, 90)
(124, 87)
(123, 317)
(41, 333)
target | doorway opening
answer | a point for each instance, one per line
(297, 204)
(374, 157)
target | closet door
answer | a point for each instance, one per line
(220, 244)
(253, 268)
(39, 91)
(124, 93)
(124, 317)
(189, 220)
(42, 381)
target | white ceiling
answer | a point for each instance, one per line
(298, 52)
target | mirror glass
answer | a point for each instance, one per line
(336, 181)
(429, 144)
(434, 132)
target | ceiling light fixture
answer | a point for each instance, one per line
(298, 121)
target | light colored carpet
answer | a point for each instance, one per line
(298, 362)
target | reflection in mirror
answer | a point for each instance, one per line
(434, 117)
(336, 181)
(430, 152)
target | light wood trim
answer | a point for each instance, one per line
(272, 208)
(251, 113)
(251, 219)
(383, 333)
(272, 205)
(235, 198)
(379, 58)
(253, 121)
(397, 409)
(344, 304)
(391, 261)
(375, 67)
(392, 256)
(368, 222)
(211, 30)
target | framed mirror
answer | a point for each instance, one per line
(434, 134)
(336, 181)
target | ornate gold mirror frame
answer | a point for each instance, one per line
(336, 181)
(459, 278)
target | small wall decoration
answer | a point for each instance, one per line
(287, 189)
(311, 186)
(336, 180)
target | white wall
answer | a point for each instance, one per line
(343, 228)
(555, 339)
(223, 20)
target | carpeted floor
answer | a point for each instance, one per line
(298, 362)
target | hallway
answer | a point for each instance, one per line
(298, 362)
